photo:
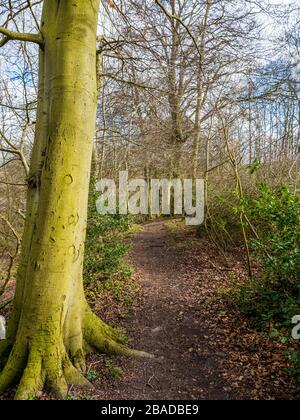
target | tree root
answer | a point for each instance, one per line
(39, 364)
(33, 378)
(14, 365)
(105, 339)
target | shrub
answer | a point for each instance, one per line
(275, 219)
(105, 247)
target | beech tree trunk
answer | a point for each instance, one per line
(52, 327)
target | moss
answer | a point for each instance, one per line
(51, 326)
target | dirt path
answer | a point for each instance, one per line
(201, 352)
(166, 324)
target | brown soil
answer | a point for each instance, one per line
(201, 351)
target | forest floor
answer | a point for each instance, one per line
(203, 347)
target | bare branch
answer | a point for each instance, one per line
(17, 36)
(11, 257)
(178, 19)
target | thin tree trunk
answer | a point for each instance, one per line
(200, 93)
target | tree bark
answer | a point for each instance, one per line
(52, 326)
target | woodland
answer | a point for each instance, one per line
(142, 306)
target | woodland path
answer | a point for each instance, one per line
(167, 324)
(200, 351)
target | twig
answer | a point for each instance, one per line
(3, 305)
(11, 257)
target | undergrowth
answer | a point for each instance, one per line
(108, 275)
(271, 297)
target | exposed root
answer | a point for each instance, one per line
(73, 375)
(33, 378)
(14, 366)
(57, 366)
(57, 374)
(57, 385)
(78, 360)
(104, 339)
(55, 382)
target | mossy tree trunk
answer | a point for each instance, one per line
(52, 327)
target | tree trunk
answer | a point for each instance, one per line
(197, 128)
(52, 326)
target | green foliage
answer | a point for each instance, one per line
(135, 228)
(122, 337)
(294, 358)
(272, 296)
(275, 295)
(116, 287)
(105, 246)
(113, 371)
(266, 303)
(278, 218)
(254, 167)
(92, 376)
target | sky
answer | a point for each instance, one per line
(286, 2)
